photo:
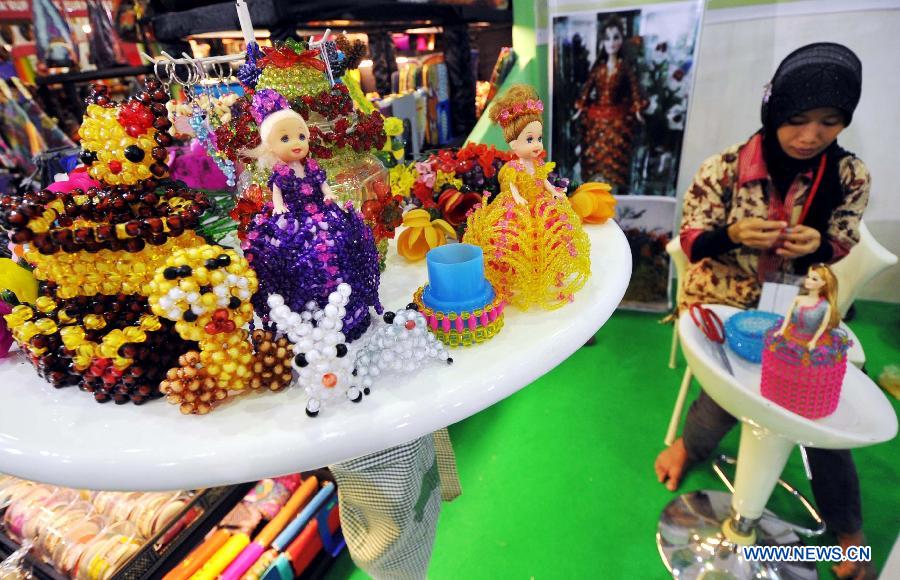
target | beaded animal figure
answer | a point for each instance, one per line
(206, 292)
(96, 245)
(324, 370)
(402, 344)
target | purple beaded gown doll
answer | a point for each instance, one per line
(303, 244)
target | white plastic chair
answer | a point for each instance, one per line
(866, 260)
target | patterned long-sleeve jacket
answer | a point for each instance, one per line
(734, 185)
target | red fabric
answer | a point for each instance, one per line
(751, 164)
(838, 249)
(687, 237)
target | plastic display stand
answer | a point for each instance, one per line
(65, 438)
(698, 535)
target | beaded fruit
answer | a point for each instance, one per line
(206, 291)
(323, 368)
(272, 361)
(190, 387)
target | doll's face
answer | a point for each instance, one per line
(530, 142)
(813, 282)
(289, 139)
(612, 41)
(806, 135)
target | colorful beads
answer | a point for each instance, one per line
(465, 328)
(190, 387)
(105, 272)
(125, 145)
(272, 361)
(206, 291)
(117, 219)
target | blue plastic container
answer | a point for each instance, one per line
(456, 279)
(745, 332)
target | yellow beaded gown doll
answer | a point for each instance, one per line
(535, 250)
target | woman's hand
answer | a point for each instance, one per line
(799, 241)
(811, 345)
(756, 233)
(278, 208)
(639, 117)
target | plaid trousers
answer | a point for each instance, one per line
(390, 502)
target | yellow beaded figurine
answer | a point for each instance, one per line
(206, 291)
(535, 251)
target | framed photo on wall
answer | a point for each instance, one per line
(620, 83)
(648, 222)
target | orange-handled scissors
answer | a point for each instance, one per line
(711, 325)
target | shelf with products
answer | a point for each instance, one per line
(80, 534)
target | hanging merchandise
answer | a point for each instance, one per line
(55, 47)
(21, 135)
(53, 137)
(103, 39)
(23, 55)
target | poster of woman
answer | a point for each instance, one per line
(620, 86)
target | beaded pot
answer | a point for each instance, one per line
(807, 382)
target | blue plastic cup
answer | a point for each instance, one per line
(456, 278)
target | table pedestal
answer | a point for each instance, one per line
(700, 534)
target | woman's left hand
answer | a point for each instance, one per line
(799, 241)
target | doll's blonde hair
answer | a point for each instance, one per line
(518, 107)
(263, 155)
(829, 291)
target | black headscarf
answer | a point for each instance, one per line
(814, 76)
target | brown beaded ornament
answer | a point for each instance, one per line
(271, 361)
(190, 387)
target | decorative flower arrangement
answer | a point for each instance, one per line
(451, 182)
(422, 234)
(594, 203)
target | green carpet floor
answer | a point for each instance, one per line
(558, 479)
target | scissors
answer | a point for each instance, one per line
(711, 325)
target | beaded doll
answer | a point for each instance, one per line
(804, 359)
(535, 250)
(304, 244)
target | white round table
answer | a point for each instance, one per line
(768, 434)
(65, 438)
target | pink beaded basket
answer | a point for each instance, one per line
(805, 382)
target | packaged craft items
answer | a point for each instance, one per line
(535, 250)
(85, 535)
(804, 359)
